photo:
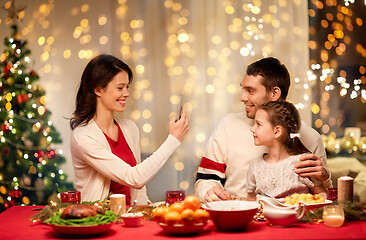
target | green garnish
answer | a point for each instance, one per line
(99, 219)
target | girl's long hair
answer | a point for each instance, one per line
(285, 114)
(98, 73)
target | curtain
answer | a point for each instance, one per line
(195, 48)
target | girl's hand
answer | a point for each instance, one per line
(179, 128)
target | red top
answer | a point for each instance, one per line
(121, 149)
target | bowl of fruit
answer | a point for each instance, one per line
(180, 218)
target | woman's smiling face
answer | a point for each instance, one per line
(113, 96)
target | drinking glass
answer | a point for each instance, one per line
(333, 216)
(332, 194)
(70, 197)
(174, 196)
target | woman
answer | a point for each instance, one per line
(105, 149)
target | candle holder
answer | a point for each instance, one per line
(333, 216)
(174, 196)
(332, 194)
(70, 197)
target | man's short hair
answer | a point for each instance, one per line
(273, 73)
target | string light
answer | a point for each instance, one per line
(346, 83)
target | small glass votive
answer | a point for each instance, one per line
(174, 196)
(70, 197)
(333, 216)
(332, 194)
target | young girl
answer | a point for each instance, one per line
(276, 126)
(105, 148)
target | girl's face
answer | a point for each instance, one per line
(113, 96)
(263, 131)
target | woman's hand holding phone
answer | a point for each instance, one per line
(179, 127)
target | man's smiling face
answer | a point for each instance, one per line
(254, 94)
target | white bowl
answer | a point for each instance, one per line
(132, 219)
(231, 215)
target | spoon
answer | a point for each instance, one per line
(134, 207)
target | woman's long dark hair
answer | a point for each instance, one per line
(285, 114)
(98, 73)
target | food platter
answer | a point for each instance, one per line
(180, 229)
(157, 204)
(81, 230)
(312, 205)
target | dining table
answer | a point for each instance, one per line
(15, 224)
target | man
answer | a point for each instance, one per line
(223, 168)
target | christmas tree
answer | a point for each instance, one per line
(29, 164)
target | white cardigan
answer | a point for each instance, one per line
(95, 165)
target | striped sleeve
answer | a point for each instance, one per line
(211, 170)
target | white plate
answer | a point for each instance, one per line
(311, 206)
(81, 230)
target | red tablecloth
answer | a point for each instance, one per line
(15, 224)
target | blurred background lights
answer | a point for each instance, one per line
(250, 31)
(179, 166)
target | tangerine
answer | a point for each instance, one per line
(159, 213)
(192, 202)
(188, 216)
(177, 207)
(172, 217)
(201, 216)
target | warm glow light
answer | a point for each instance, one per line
(41, 41)
(146, 114)
(315, 108)
(179, 166)
(200, 137)
(50, 40)
(103, 40)
(183, 37)
(84, 8)
(102, 20)
(140, 69)
(43, 100)
(67, 54)
(147, 127)
(229, 10)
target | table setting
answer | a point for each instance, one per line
(186, 216)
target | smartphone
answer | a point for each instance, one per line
(180, 106)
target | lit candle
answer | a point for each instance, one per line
(345, 188)
(118, 203)
(333, 216)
